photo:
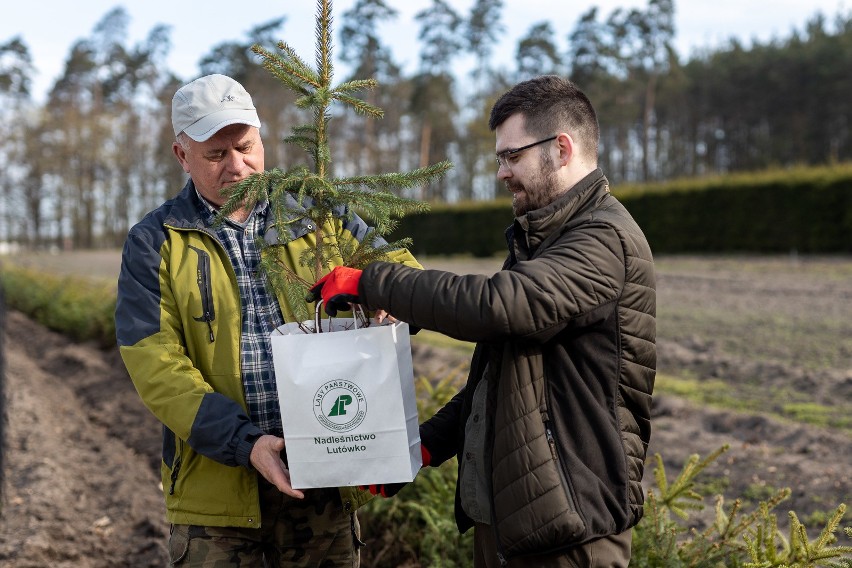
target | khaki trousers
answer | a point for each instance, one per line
(608, 552)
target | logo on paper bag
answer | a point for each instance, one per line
(340, 406)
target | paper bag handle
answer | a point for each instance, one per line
(355, 312)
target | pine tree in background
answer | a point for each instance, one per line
(309, 196)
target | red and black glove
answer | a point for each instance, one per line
(391, 489)
(338, 289)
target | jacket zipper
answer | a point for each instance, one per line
(501, 556)
(551, 441)
(204, 287)
(554, 451)
(176, 468)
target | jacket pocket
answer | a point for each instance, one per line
(574, 525)
(178, 544)
(566, 484)
(548, 506)
(173, 477)
(205, 288)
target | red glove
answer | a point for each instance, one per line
(338, 289)
(391, 489)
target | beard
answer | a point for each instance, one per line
(539, 190)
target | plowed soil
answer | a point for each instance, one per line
(772, 338)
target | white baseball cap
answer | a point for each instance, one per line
(206, 105)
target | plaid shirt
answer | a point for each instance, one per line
(261, 314)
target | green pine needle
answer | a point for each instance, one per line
(309, 198)
(360, 107)
(356, 85)
(753, 540)
(289, 68)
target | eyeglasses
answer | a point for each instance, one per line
(502, 157)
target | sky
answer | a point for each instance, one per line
(50, 27)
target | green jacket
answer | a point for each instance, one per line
(178, 322)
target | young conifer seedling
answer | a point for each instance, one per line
(308, 197)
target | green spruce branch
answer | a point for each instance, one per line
(767, 548)
(664, 539)
(309, 196)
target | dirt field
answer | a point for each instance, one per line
(770, 340)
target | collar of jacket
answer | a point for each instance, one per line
(528, 231)
(185, 212)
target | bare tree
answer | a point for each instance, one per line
(16, 70)
(371, 145)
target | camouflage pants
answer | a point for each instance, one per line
(314, 531)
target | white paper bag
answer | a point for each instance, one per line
(348, 405)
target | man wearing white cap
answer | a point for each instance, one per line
(217, 134)
(193, 319)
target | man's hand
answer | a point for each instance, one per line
(382, 315)
(338, 289)
(391, 489)
(266, 459)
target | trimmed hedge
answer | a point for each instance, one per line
(803, 210)
(468, 228)
(78, 308)
(808, 210)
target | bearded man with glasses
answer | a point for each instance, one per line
(552, 428)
